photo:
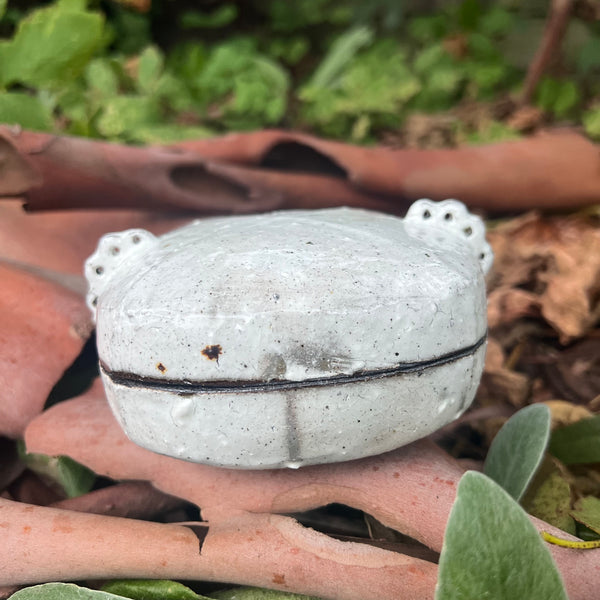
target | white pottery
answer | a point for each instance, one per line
(295, 337)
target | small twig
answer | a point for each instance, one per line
(556, 25)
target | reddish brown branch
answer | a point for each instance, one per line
(275, 169)
(411, 489)
(47, 544)
(556, 25)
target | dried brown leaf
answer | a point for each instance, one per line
(548, 266)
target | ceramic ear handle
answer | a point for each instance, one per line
(112, 251)
(436, 221)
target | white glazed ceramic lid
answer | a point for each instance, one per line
(291, 296)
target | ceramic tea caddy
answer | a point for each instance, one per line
(292, 338)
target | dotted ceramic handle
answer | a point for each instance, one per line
(438, 220)
(113, 250)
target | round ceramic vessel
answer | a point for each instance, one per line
(294, 337)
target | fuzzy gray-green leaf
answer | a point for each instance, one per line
(518, 448)
(492, 550)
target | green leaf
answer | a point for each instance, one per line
(221, 16)
(166, 133)
(495, 22)
(589, 56)
(548, 497)
(51, 45)
(150, 68)
(175, 93)
(2, 7)
(578, 443)
(587, 512)
(248, 593)
(518, 449)
(187, 60)
(299, 14)
(77, 5)
(445, 80)
(74, 104)
(100, 77)
(61, 591)
(481, 47)
(151, 589)
(370, 93)
(430, 58)
(427, 29)
(24, 110)
(124, 114)
(492, 550)
(557, 96)
(72, 477)
(132, 30)
(341, 53)
(468, 14)
(591, 123)
(244, 89)
(290, 49)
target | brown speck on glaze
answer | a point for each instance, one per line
(213, 352)
(161, 367)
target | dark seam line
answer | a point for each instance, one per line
(190, 387)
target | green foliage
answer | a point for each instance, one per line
(389, 13)
(72, 477)
(496, 22)
(342, 52)
(51, 46)
(492, 550)
(518, 449)
(488, 133)
(324, 65)
(248, 593)
(131, 31)
(558, 97)
(578, 443)
(222, 15)
(291, 49)
(588, 59)
(151, 589)
(300, 14)
(244, 88)
(587, 512)
(548, 497)
(24, 110)
(591, 121)
(146, 589)
(375, 85)
(124, 114)
(61, 591)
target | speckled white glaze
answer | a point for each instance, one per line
(294, 337)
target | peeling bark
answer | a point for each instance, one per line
(411, 489)
(48, 544)
(267, 170)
